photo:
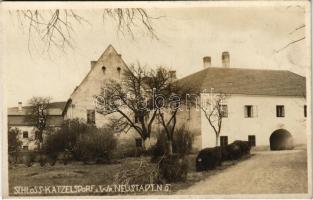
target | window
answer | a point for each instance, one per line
(223, 140)
(25, 147)
(119, 71)
(91, 117)
(251, 139)
(138, 142)
(280, 111)
(103, 69)
(25, 134)
(224, 110)
(248, 111)
(305, 111)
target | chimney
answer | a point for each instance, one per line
(92, 63)
(19, 108)
(172, 75)
(225, 59)
(206, 61)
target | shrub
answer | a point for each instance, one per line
(209, 158)
(64, 139)
(182, 143)
(96, 146)
(159, 149)
(14, 144)
(173, 168)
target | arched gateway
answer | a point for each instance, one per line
(281, 139)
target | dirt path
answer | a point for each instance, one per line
(266, 172)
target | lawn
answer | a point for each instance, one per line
(77, 174)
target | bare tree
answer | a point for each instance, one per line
(170, 98)
(214, 111)
(132, 99)
(39, 116)
(55, 27)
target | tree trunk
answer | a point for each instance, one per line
(169, 147)
(145, 143)
(40, 140)
(216, 141)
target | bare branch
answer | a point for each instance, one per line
(290, 43)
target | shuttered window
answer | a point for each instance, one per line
(280, 111)
(250, 111)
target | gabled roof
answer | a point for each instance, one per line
(106, 52)
(110, 48)
(246, 81)
(55, 108)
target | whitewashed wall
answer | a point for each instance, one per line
(236, 126)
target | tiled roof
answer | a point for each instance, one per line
(55, 108)
(246, 81)
(24, 120)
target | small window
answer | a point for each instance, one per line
(280, 111)
(91, 116)
(103, 69)
(25, 147)
(248, 111)
(139, 142)
(223, 140)
(305, 111)
(224, 111)
(25, 134)
(251, 139)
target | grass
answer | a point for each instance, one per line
(76, 173)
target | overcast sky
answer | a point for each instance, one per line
(250, 34)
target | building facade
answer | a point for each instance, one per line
(81, 104)
(257, 103)
(19, 117)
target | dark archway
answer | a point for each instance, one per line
(281, 139)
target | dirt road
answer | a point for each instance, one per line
(266, 172)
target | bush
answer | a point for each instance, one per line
(235, 150)
(64, 139)
(209, 158)
(14, 144)
(182, 143)
(96, 146)
(173, 168)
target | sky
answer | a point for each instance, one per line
(250, 34)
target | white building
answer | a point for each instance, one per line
(259, 102)
(20, 117)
